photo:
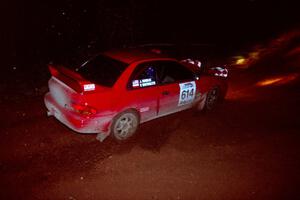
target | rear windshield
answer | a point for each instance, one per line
(102, 70)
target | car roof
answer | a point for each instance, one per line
(131, 55)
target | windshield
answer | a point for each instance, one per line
(102, 70)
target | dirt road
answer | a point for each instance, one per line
(247, 148)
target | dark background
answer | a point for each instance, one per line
(247, 148)
(42, 31)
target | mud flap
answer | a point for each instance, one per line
(101, 136)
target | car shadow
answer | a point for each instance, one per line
(154, 134)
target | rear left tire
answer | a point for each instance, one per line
(125, 125)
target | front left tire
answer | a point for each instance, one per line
(212, 98)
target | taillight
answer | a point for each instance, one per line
(84, 109)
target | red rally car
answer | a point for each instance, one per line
(115, 91)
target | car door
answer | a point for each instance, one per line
(143, 91)
(177, 87)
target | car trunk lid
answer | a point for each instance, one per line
(67, 87)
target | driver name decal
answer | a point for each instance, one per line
(143, 83)
(187, 93)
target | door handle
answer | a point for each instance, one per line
(165, 93)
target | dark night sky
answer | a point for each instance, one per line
(45, 29)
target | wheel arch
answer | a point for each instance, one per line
(132, 109)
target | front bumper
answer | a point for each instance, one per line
(75, 121)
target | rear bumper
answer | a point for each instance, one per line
(75, 121)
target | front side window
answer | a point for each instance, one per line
(102, 70)
(171, 72)
(143, 76)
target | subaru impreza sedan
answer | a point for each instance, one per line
(115, 91)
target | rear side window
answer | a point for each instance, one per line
(170, 72)
(102, 70)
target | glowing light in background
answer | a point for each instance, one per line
(247, 60)
(240, 61)
(269, 81)
(278, 80)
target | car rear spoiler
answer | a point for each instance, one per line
(71, 78)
